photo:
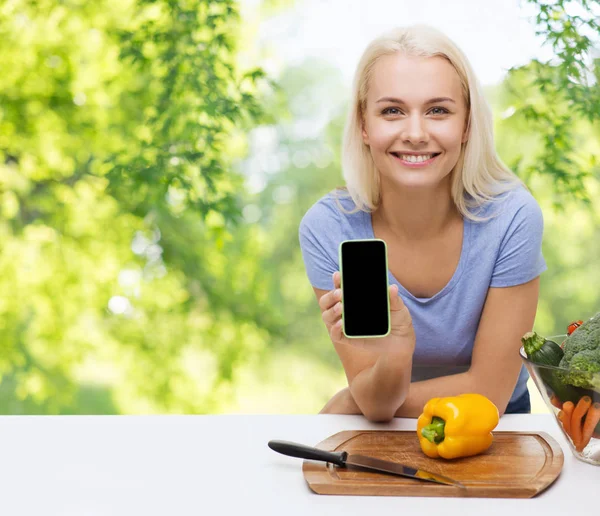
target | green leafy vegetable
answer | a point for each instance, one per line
(582, 355)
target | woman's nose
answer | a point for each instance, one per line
(414, 130)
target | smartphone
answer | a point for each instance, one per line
(365, 295)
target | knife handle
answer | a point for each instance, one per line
(307, 452)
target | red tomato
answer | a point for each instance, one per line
(573, 326)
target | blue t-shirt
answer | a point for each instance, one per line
(501, 252)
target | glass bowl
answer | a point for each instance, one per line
(552, 382)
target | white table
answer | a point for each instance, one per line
(213, 465)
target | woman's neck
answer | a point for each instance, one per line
(414, 215)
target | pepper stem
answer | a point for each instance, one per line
(434, 431)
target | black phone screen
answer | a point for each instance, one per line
(364, 288)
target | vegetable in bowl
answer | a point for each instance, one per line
(545, 352)
(582, 355)
(568, 377)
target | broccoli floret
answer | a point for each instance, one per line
(582, 355)
(585, 369)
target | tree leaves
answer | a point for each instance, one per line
(115, 121)
(558, 91)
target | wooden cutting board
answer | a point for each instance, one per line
(517, 465)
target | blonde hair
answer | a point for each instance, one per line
(479, 175)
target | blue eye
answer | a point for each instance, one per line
(444, 110)
(396, 111)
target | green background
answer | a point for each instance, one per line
(148, 241)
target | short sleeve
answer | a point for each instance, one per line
(520, 257)
(319, 234)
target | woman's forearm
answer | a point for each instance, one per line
(341, 403)
(377, 391)
(421, 392)
(381, 389)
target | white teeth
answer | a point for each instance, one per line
(415, 159)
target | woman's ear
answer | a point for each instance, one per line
(365, 136)
(361, 117)
(465, 135)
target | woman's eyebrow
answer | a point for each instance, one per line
(430, 101)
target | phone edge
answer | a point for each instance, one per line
(387, 283)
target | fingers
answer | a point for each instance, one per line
(330, 303)
(396, 303)
(335, 332)
(337, 279)
(330, 299)
(331, 307)
(401, 318)
(333, 318)
(395, 300)
(332, 314)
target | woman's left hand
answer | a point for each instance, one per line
(401, 336)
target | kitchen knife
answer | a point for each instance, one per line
(343, 459)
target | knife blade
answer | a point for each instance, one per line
(343, 460)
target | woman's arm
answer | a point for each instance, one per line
(378, 370)
(508, 314)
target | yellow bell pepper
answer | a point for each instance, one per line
(458, 426)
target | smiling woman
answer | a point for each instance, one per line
(463, 235)
(432, 129)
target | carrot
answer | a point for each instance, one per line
(580, 409)
(591, 420)
(568, 410)
(556, 402)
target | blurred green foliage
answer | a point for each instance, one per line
(151, 192)
(118, 123)
(552, 97)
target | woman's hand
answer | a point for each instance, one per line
(378, 369)
(400, 339)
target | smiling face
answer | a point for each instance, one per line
(414, 120)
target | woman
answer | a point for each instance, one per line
(463, 235)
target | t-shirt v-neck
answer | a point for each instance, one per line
(369, 233)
